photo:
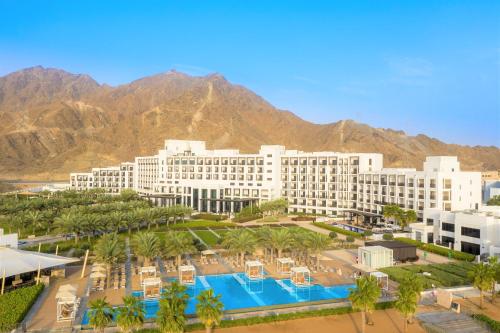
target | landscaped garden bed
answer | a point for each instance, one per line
(15, 305)
(338, 230)
(441, 275)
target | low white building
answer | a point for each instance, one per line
(472, 231)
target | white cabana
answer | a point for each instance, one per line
(15, 261)
(284, 265)
(67, 302)
(300, 276)
(147, 272)
(254, 269)
(382, 279)
(152, 287)
(375, 257)
(187, 274)
(98, 269)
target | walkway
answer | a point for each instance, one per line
(450, 322)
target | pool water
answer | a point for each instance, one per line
(238, 292)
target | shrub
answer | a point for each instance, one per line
(349, 239)
(493, 324)
(16, 304)
(438, 249)
(241, 219)
(333, 235)
(338, 230)
(367, 233)
(388, 236)
(304, 218)
(209, 217)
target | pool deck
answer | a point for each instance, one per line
(45, 318)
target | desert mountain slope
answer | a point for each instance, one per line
(53, 122)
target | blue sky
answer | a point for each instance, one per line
(428, 67)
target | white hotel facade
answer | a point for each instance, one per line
(330, 183)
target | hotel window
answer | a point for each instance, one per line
(471, 232)
(448, 227)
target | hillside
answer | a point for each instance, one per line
(53, 122)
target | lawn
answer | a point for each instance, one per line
(441, 275)
(207, 236)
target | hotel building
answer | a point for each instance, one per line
(330, 183)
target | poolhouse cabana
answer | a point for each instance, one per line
(254, 269)
(67, 302)
(284, 265)
(300, 276)
(187, 274)
(147, 272)
(382, 279)
(375, 257)
(152, 287)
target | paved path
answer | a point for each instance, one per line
(451, 322)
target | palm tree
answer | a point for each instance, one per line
(317, 243)
(36, 219)
(209, 309)
(240, 241)
(389, 211)
(170, 317)
(147, 245)
(179, 243)
(68, 223)
(495, 269)
(413, 283)
(264, 239)
(281, 239)
(100, 314)
(364, 296)
(109, 251)
(131, 315)
(482, 277)
(406, 304)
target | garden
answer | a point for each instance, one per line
(440, 275)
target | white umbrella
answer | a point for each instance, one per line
(97, 275)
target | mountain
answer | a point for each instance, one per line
(53, 122)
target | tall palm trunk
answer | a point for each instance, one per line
(317, 262)
(76, 238)
(405, 327)
(481, 296)
(363, 322)
(179, 259)
(108, 275)
(242, 258)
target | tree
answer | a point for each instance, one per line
(109, 251)
(407, 217)
(389, 211)
(482, 278)
(364, 296)
(367, 233)
(495, 201)
(406, 303)
(495, 271)
(131, 315)
(177, 244)
(170, 317)
(264, 240)
(68, 223)
(128, 195)
(317, 243)
(100, 314)
(240, 241)
(281, 239)
(147, 245)
(36, 219)
(209, 309)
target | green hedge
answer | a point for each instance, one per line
(338, 230)
(438, 249)
(279, 317)
(493, 324)
(210, 217)
(200, 224)
(16, 304)
(246, 218)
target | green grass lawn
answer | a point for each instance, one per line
(442, 275)
(207, 236)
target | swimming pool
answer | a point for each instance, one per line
(238, 292)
